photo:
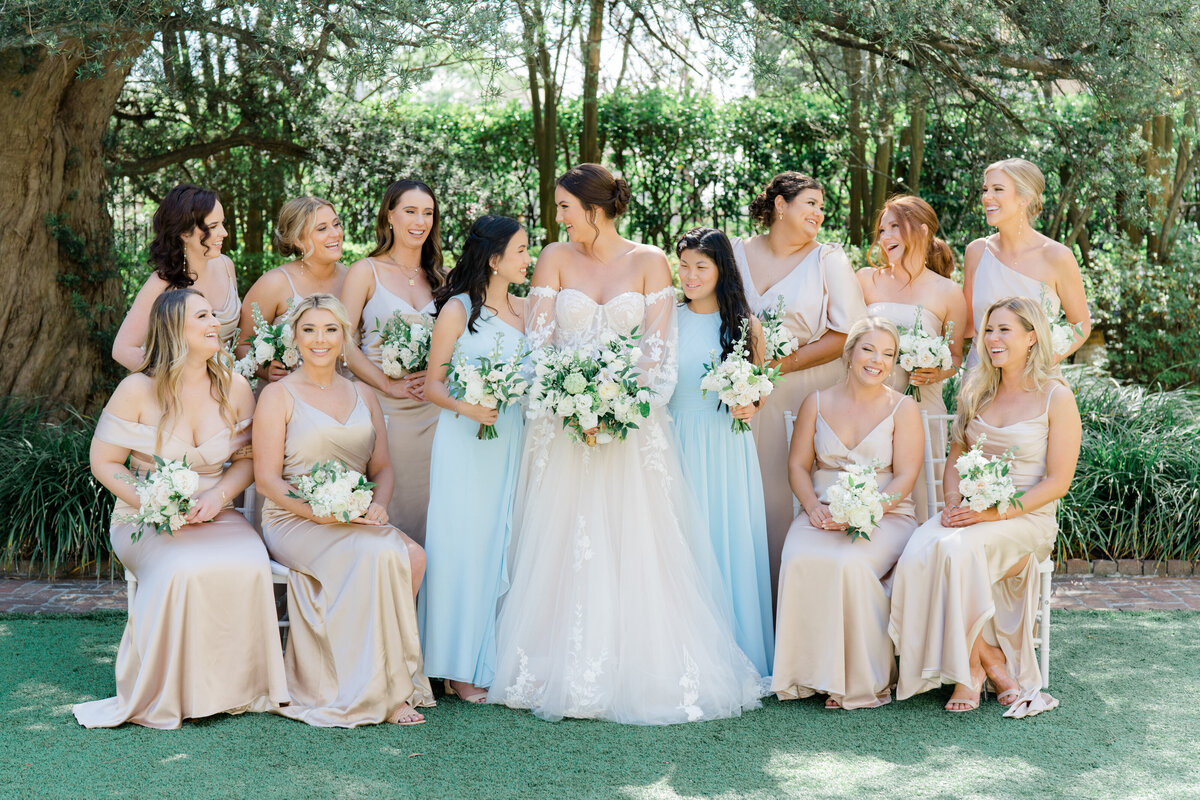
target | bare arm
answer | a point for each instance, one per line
(1068, 283)
(908, 449)
(822, 351)
(801, 458)
(270, 432)
(379, 467)
(129, 346)
(970, 264)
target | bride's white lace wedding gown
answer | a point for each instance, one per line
(611, 611)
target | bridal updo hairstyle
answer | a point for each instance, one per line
(1029, 180)
(597, 189)
(913, 212)
(297, 219)
(182, 211)
(786, 185)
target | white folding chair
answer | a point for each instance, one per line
(789, 423)
(1041, 637)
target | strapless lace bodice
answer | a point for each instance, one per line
(584, 323)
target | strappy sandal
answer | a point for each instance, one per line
(478, 697)
(409, 717)
(971, 705)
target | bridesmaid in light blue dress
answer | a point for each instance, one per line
(720, 465)
(472, 481)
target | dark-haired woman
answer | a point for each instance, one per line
(821, 300)
(399, 276)
(910, 274)
(189, 227)
(202, 636)
(611, 613)
(721, 465)
(472, 481)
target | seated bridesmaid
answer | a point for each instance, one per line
(202, 636)
(189, 228)
(353, 652)
(721, 465)
(966, 587)
(833, 591)
(472, 482)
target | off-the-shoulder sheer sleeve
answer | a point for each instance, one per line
(539, 317)
(659, 344)
(846, 304)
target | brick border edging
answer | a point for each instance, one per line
(1173, 568)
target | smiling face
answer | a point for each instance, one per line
(412, 218)
(1006, 340)
(578, 222)
(514, 262)
(891, 238)
(1001, 202)
(214, 225)
(698, 275)
(201, 330)
(872, 358)
(319, 337)
(803, 215)
(324, 244)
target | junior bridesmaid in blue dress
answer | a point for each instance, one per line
(722, 466)
(472, 481)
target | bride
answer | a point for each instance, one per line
(611, 612)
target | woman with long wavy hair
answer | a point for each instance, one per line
(202, 636)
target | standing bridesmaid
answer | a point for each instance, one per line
(189, 228)
(310, 231)
(472, 482)
(1017, 261)
(353, 651)
(821, 300)
(911, 271)
(721, 465)
(202, 637)
(966, 588)
(400, 275)
(834, 592)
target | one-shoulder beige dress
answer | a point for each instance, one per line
(410, 423)
(229, 315)
(949, 583)
(994, 280)
(353, 652)
(202, 637)
(831, 624)
(905, 314)
(820, 294)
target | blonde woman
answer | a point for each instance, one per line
(966, 587)
(202, 636)
(831, 636)
(310, 231)
(353, 652)
(821, 300)
(1017, 261)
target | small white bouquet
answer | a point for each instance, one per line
(922, 350)
(404, 345)
(737, 380)
(334, 490)
(269, 343)
(166, 497)
(591, 389)
(780, 341)
(1062, 333)
(984, 482)
(855, 500)
(491, 382)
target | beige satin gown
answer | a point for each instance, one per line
(949, 583)
(831, 634)
(931, 396)
(353, 651)
(820, 294)
(410, 423)
(994, 280)
(202, 637)
(229, 315)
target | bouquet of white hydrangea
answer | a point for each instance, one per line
(780, 341)
(856, 501)
(166, 497)
(737, 380)
(269, 343)
(922, 350)
(334, 490)
(591, 389)
(984, 481)
(404, 345)
(491, 382)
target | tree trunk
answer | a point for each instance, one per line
(60, 293)
(544, 101)
(916, 128)
(589, 137)
(858, 144)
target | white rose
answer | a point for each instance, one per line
(860, 518)
(608, 391)
(185, 482)
(603, 438)
(588, 420)
(291, 357)
(264, 353)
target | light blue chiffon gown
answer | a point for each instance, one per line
(471, 489)
(723, 471)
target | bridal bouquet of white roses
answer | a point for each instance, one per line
(855, 500)
(491, 382)
(404, 345)
(780, 341)
(269, 343)
(1062, 333)
(334, 490)
(166, 497)
(984, 482)
(737, 380)
(591, 389)
(922, 350)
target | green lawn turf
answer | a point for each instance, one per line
(1128, 727)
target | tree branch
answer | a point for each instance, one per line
(206, 149)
